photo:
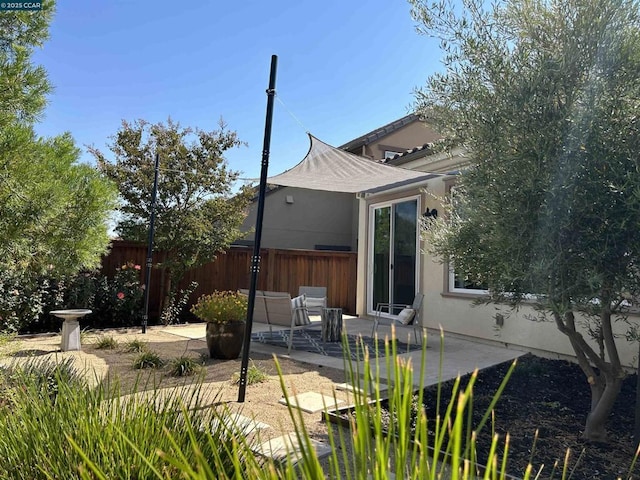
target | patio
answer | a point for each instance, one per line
(460, 356)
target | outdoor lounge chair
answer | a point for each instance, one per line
(316, 298)
(277, 308)
(408, 316)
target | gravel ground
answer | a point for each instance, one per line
(261, 399)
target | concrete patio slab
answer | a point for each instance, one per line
(460, 355)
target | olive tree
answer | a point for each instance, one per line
(546, 96)
(198, 214)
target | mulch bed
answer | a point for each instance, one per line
(553, 397)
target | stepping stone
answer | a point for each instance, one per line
(245, 424)
(287, 446)
(311, 402)
(351, 388)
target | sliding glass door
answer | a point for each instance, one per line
(393, 253)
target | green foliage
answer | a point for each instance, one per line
(24, 298)
(254, 375)
(148, 359)
(173, 307)
(124, 437)
(221, 307)
(184, 366)
(53, 211)
(105, 342)
(115, 301)
(545, 95)
(24, 86)
(118, 300)
(46, 378)
(197, 213)
(135, 346)
(152, 437)
(6, 338)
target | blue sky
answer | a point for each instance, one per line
(345, 67)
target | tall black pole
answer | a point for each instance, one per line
(147, 280)
(255, 260)
(636, 428)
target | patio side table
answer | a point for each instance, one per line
(331, 324)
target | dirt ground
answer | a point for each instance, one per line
(552, 397)
(261, 399)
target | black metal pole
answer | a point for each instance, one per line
(147, 280)
(636, 428)
(255, 260)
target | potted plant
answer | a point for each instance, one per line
(225, 313)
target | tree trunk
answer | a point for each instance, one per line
(606, 381)
(594, 429)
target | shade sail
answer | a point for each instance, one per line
(333, 170)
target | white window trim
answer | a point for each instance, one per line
(451, 277)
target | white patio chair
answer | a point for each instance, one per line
(409, 316)
(316, 298)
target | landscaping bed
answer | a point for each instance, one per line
(552, 397)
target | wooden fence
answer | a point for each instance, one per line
(280, 270)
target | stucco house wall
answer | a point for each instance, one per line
(306, 219)
(456, 312)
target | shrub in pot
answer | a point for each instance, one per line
(225, 313)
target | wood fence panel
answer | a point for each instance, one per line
(280, 270)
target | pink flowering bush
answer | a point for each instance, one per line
(26, 300)
(118, 300)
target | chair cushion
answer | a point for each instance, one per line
(406, 316)
(315, 305)
(300, 313)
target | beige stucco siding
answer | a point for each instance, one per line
(457, 313)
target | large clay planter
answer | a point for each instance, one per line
(224, 340)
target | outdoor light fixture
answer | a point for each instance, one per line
(433, 213)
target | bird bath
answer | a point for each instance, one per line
(70, 327)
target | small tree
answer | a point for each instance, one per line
(545, 95)
(197, 214)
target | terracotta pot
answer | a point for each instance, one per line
(224, 340)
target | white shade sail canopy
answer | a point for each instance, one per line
(333, 170)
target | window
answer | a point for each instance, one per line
(458, 282)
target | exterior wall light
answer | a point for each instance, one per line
(433, 213)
